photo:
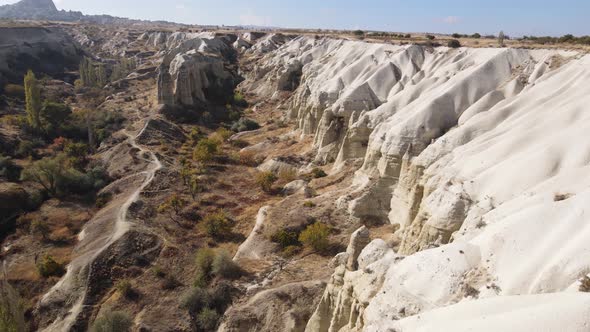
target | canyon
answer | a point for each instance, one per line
(455, 191)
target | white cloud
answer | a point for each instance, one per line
(249, 18)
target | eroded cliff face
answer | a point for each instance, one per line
(196, 72)
(43, 50)
(476, 156)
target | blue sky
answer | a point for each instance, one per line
(515, 17)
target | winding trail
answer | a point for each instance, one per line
(81, 266)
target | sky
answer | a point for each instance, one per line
(514, 17)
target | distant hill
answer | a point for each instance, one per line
(46, 10)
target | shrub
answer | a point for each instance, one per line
(223, 266)
(248, 158)
(318, 173)
(12, 317)
(205, 150)
(288, 175)
(358, 33)
(102, 200)
(316, 237)
(454, 43)
(208, 319)
(291, 251)
(476, 35)
(430, 37)
(239, 99)
(159, 272)
(285, 238)
(48, 267)
(39, 227)
(221, 296)
(265, 180)
(224, 133)
(218, 225)
(238, 143)
(14, 90)
(309, 204)
(27, 149)
(9, 170)
(204, 260)
(173, 205)
(125, 288)
(195, 300)
(245, 124)
(112, 321)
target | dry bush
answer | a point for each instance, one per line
(248, 158)
(316, 237)
(218, 225)
(48, 267)
(266, 180)
(287, 176)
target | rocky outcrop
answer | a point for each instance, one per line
(435, 130)
(295, 303)
(196, 73)
(44, 50)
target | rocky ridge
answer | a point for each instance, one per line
(435, 130)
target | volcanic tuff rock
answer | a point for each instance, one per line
(196, 73)
(471, 147)
(44, 50)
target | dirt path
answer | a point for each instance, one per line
(74, 285)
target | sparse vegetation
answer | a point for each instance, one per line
(112, 321)
(287, 176)
(39, 228)
(318, 173)
(315, 236)
(244, 124)
(309, 204)
(205, 150)
(239, 100)
(218, 225)
(173, 206)
(125, 288)
(224, 267)
(9, 170)
(208, 319)
(204, 260)
(454, 43)
(501, 38)
(11, 310)
(48, 267)
(286, 238)
(266, 180)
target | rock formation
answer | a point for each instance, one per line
(196, 73)
(436, 130)
(44, 50)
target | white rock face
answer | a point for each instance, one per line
(195, 73)
(479, 156)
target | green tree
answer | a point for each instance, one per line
(53, 116)
(33, 100)
(101, 76)
(47, 172)
(501, 38)
(173, 206)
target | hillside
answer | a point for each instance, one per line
(220, 181)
